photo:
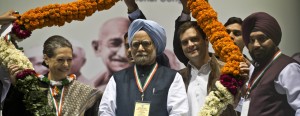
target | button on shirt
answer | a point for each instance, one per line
(197, 89)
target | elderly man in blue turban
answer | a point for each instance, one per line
(146, 88)
(274, 85)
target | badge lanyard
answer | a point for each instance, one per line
(147, 82)
(253, 83)
(57, 108)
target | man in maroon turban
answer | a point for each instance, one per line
(274, 87)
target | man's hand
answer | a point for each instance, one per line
(244, 73)
(244, 70)
(131, 5)
(13, 71)
(185, 8)
(7, 17)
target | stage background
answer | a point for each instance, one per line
(164, 12)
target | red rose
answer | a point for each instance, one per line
(20, 31)
(24, 73)
(230, 83)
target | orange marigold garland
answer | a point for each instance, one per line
(51, 15)
(57, 15)
(224, 47)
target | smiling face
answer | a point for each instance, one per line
(110, 46)
(193, 45)
(60, 63)
(261, 47)
(143, 50)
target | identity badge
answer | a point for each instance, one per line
(245, 107)
(142, 108)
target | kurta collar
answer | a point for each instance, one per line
(205, 68)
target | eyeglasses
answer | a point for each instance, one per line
(145, 44)
(235, 32)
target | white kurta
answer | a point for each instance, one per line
(197, 89)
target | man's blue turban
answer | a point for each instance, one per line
(153, 29)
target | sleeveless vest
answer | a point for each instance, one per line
(156, 93)
(265, 101)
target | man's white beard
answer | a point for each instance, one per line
(143, 60)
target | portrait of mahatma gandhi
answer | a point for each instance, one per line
(111, 49)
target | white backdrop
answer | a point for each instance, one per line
(164, 12)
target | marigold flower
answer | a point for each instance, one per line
(224, 47)
(51, 14)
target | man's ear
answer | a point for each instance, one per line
(46, 59)
(95, 45)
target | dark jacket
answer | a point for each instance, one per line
(156, 92)
(265, 100)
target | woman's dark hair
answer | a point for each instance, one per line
(52, 43)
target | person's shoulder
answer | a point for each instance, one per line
(81, 85)
(122, 74)
(185, 69)
(185, 72)
(167, 69)
(293, 66)
(216, 60)
(77, 86)
(292, 59)
(288, 59)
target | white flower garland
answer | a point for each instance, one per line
(9, 55)
(34, 99)
(216, 101)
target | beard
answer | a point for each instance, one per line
(142, 60)
(263, 56)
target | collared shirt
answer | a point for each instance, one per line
(288, 82)
(176, 104)
(197, 89)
